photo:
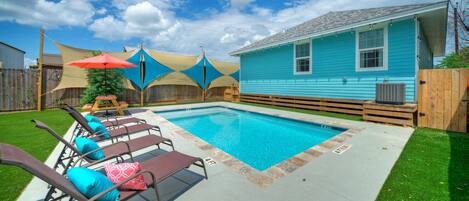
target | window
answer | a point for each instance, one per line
(372, 50)
(302, 58)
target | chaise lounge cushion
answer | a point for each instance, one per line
(91, 183)
(100, 129)
(91, 118)
(120, 172)
(85, 145)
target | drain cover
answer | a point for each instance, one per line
(209, 161)
(343, 148)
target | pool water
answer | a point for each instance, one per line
(258, 140)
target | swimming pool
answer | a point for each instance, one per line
(259, 140)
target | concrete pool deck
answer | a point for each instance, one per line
(356, 174)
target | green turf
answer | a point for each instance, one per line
(17, 129)
(433, 166)
(327, 114)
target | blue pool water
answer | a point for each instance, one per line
(258, 140)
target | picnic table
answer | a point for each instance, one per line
(108, 102)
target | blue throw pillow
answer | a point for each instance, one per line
(91, 183)
(85, 145)
(99, 128)
(91, 118)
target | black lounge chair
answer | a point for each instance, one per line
(154, 170)
(114, 132)
(116, 149)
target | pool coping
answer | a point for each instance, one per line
(266, 177)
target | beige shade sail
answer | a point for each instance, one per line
(225, 68)
(74, 77)
(174, 78)
(223, 81)
(173, 61)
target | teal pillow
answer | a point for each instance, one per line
(85, 145)
(99, 128)
(91, 183)
(91, 118)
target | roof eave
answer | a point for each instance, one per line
(436, 6)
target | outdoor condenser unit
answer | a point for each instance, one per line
(388, 93)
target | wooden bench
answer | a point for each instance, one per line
(401, 115)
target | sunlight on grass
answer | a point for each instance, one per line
(17, 129)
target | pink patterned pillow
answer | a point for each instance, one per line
(121, 171)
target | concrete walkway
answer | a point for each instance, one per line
(357, 174)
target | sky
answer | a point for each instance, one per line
(182, 26)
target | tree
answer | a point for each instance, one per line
(455, 60)
(96, 85)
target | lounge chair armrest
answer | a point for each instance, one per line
(107, 158)
(123, 182)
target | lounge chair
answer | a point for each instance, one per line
(114, 121)
(116, 149)
(114, 132)
(154, 171)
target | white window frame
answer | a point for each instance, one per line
(310, 57)
(358, 68)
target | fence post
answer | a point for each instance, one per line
(39, 80)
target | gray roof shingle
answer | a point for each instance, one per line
(332, 20)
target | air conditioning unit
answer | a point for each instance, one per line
(388, 93)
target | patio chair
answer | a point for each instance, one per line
(116, 149)
(114, 132)
(110, 122)
(154, 170)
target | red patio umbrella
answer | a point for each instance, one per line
(102, 61)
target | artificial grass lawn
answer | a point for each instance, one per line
(17, 129)
(434, 165)
(327, 114)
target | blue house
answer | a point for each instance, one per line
(344, 54)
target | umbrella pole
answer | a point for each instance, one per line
(105, 79)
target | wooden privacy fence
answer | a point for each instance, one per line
(18, 91)
(442, 96)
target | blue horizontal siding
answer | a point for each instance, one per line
(352, 88)
(270, 71)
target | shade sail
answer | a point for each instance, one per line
(161, 68)
(174, 78)
(211, 73)
(153, 69)
(235, 75)
(174, 61)
(223, 81)
(73, 77)
(226, 68)
(133, 74)
(196, 73)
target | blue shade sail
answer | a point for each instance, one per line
(133, 73)
(235, 75)
(210, 73)
(196, 72)
(153, 69)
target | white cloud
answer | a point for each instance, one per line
(29, 62)
(101, 11)
(219, 32)
(47, 13)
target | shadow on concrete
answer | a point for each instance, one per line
(172, 187)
